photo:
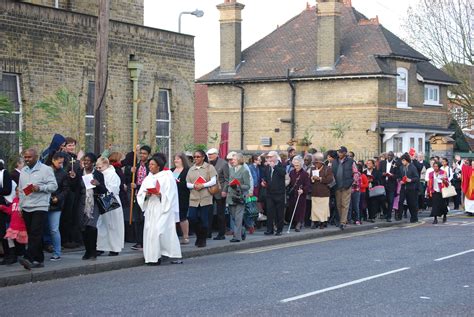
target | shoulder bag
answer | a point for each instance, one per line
(214, 189)
(377, 191)
(449, 191)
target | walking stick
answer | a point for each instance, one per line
(293, 215)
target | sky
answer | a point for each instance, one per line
(260, 17)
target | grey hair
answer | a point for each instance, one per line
(298, 159)
(240, 158)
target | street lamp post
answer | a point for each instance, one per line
(196, 13)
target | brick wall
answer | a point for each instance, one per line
(200, 114)
(51, 48)
(130, 11)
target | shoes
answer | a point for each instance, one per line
(234, 240)
(435, 221)
(219, 237)
(445, 219)
(87, 256)
(137, 247)
(111, 253)
(341, 226)
(313, 225)
(177, 262)
(389, 220)
(154, 263)
(184, 241)
(37, 265)
(244, 235)
(268, 233)
(99, 253)
(357, 223)
(322, 226)
(55, 258)
(26, 263)
(278, 233)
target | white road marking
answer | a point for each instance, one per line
(425, 297)
(286, 300)
(453, 255)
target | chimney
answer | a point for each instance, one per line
(231, 35)
(328, 33)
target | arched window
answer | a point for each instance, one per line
(402, 88)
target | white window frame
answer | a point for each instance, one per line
(157, 137)
(429, 101)
(19, 112)
(402, 72)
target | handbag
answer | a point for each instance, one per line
(107, 202)
(251, 209)
(214, 189)
(449, 191)
(377, 191)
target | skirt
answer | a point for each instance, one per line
(439, 207)
(19, 236)
(319, 209)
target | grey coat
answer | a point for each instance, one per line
(222, 169)
(243, 176)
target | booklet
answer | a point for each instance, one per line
(28, 189)
(87, 180)
(316, 173)
(200, 180)
(234, 182)
(154, 190)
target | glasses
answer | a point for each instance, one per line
(197, 156)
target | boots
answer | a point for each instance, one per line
(202, 238)
(197, 231)
(445, 218)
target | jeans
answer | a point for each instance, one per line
(199, 215)
(53, 220)
(34, 222)
(354, 207)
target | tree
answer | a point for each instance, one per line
(443, 30)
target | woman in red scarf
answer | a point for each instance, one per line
(468, 185)
(437, 180)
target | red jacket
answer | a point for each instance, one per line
(364, 183)
(13, 210)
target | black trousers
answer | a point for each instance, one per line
(387, 205)
(411, 197)
(275, 211)
(138, 223)
(89, 236)
(373, 204)
(221, 222)
(69, 225)
(34, 222)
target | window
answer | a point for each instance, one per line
(432, 95)
(10, 118)
(412, 143)
(163, 123)
(90, 117)
(402, 88)
(420, 145)
(398, 145)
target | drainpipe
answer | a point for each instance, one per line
(293, 104)
(242, 103)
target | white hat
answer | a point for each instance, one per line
(231, 155)
(212, 151)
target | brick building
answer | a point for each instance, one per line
(45, 48)
(330, 76)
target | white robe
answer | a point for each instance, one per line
(111, 226)
(468, 205)
(159, 234)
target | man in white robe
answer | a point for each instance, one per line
(161, 214)
(111, 226)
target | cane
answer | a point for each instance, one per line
(293, 215)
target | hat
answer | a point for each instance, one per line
(212, 151)
(291, 148)
(343, 149)
(318, 158)
(272, 153)
(231, 155)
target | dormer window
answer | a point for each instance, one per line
(402, 88)
(432, 95)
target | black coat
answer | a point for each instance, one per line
(183, 191)
(5, 187)
(412, 173)
(375, 179)
(389, 182)
(63, 181)
(275, 182)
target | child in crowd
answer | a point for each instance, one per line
(16, 232)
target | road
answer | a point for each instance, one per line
(421, 270)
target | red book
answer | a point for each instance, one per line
(28, 189)
(234, 182)
(200, 180)
(154, 190)
(404, 179)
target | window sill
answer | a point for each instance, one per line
(403, 107)
(432, 104)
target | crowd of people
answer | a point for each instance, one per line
(60, 199)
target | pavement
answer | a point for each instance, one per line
(71, 263)
(403, 270)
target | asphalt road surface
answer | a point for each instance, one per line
(421, 270)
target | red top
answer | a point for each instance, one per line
(16, 222)
(364, 183)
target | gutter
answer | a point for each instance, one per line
(293, 104)
(242, 104)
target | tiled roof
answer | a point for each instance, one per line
(365, 47)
